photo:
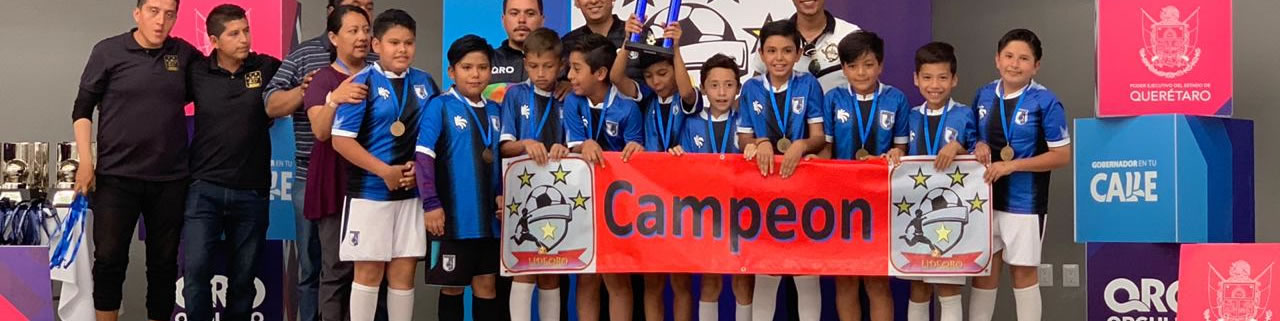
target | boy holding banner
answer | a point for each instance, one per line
(943, 128)
(782, 113)
(597, 119)
(531, 125)
(864, 119)
(665, 97)
(1030, 131)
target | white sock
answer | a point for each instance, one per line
(520, 304)
(764, 297)
(742, 312)
(952, 308)
(1028, 301)
(708, 311)
(549, 304)
(364, 301)
(399, 305)
(917, 311)
(808, 298)
(982, 304)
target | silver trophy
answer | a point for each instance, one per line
(64, 174)
(16, 171)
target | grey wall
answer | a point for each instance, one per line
(1066, 28)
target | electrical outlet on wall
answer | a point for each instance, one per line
(1046, 275)
(1071, 275)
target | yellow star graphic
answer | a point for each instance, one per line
(920, 178)
(580, 201)
(957, 177)
(548, 231)
(560, 175)
(526, 179)
(903, 206)
(976, 204)
(512, 208)
(944, 234)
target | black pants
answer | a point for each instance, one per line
(116, 205)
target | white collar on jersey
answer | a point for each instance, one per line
(767, 83)
(1015, 94)
(453, 91)
(924, 108)
(613, 92)
(389, 74)
(537, 90)
(861, 97)
(706, 113)
(667, 100)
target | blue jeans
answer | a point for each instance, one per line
(212, 212)
(308, 247)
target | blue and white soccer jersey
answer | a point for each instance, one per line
(380, 224)
(467, 186)
(526, 110)
(663, 117)
(612, 123)
(704, 133)
(956, 121)
(885, 111)
(799, 103)
(1038, 122)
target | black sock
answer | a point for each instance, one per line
(450, 308)
(484, 309)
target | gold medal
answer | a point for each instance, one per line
(487, 155)
(862, 153)
(1006, 153)
(783, 145)
(397, 128)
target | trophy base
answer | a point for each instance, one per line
(649, 49)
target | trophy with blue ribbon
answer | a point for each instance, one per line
(649, 43)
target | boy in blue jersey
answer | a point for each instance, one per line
(383, 233)
(1023, 137)
(864, 119)
(711, 131)
(781, 112)
(532, 125)
(460, 192)
(598, 119)
(664, 98)
(942, 128)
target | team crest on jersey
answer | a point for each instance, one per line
(797, 105)
(940, 217)
(757, 107)
(611, 127)
(1020, 117)
(911, 136)
(524, 111)
(497, 125)
(698, 140)
(842, 115)
(421, 91)
(171, 63)
(831, 52)
(460, 122)
(549, 215)
(1170, 48)
(384, 93)
(982, 112)
(950, 135)
(448, 262)
(253, 79)
(886, 119)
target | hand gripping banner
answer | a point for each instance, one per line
(708, 214)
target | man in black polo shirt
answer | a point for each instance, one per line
(519, 18)
(231, 166)
(137, 81)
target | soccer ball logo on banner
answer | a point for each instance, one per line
(941, 218)
(547, 223)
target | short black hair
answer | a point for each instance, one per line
(142, 2)
(859, 43)
(218, 18)
(719, 61)
(468, 44)
(392, 18)
(598, 51)
(784, 28)
(647, 60)
(335, 17)
(505, 2)
(1022, 35)
(935, 53)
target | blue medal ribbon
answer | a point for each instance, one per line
(773, 99)
(929, 144)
